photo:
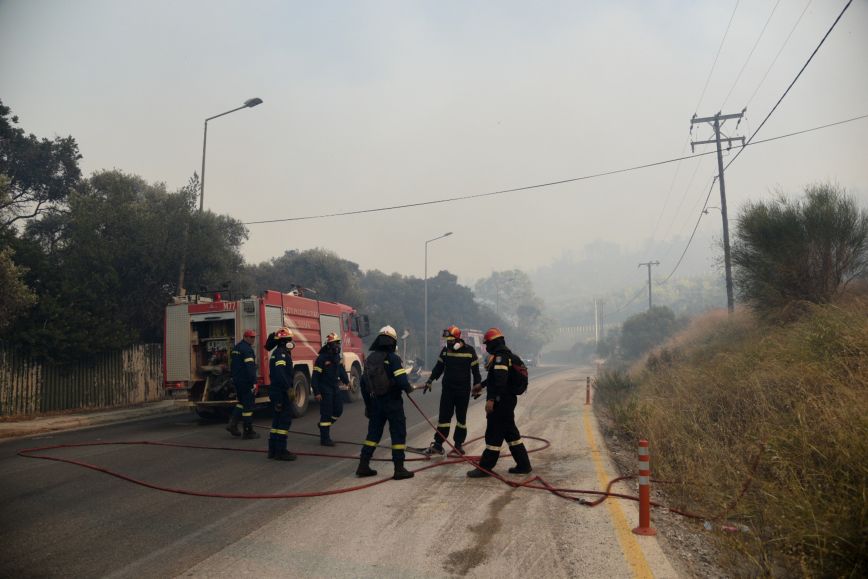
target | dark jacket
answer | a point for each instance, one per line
(496, 382)
(328, 370)
(242, 363)
(398, 375)
(280, 368)
(456, 367)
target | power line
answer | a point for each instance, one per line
(719, 48)
(540, 185)
(750, 54)
(768, 116)
(631, 300)
(784, 45)
(687, 141)
(786, 92)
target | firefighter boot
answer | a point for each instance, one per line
(365, 468)
(232, 427)
(249, 433)
(476, 473)
(400, 472)
(325, 438)
(284, 454)
(522, 461)
(272, 447)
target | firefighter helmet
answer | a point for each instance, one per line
(250, 333)
(452, 332)
(333, 337)
(491, 335)
(388, 331)
(283, 334)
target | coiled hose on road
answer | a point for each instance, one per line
(534, 482)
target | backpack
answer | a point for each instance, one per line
(376, 375)
(517, 377)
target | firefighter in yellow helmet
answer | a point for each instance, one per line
(328, 370)
(500, 401)
(457, 364)
(281, 393)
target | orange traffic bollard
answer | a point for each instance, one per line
(588, 391)
(644, 527)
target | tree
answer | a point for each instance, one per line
(106, 266)
(511, 294)
(41, 172)
(16, 296)
(640, 333)
(791, 250)
(329, 276)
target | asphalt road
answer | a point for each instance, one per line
(57, 519)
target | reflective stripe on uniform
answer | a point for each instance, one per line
(459, 425)
(475, 363)
(399, 446)
(317, 369)
(279, 431)
(442, 424)
(249, 360)
(326, 423)
(515, 442)
(370, 443)
(335, 418)
(280, 363)
(459, 355)
(399, 371)
(246, 414)
(492, 447)
(500, 367)
(241, 406)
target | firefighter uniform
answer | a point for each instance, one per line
(457, 362)
(281, 394)
(500, 425)
(388, 407)
(242, 364)
(328, 372)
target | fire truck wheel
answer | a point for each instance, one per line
(210, 414)
(301, 385)
(354, 392)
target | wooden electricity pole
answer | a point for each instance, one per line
(716, 122)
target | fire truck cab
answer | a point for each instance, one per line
(199, 333)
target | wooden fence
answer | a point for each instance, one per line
(120, 378)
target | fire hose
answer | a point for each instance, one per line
(534, 482)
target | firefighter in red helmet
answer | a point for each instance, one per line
(500, 401)
(457, 363)
(242, 364)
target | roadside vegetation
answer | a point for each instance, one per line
(760, 418)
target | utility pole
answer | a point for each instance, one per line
(716, 122)
(648, 264)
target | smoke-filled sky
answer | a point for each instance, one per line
(371, 104)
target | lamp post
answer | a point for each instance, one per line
(248, 104)
(425, 352)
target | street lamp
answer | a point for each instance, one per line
(248, 104)
(425, 353)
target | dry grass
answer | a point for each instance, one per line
(728, 393)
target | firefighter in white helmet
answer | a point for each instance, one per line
(383, 382)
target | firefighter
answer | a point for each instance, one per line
(327, 371)
(281, 393)
(242, 363)
(457, 362)
(383, 381)
(499, 409)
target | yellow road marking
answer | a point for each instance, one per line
(632, 552)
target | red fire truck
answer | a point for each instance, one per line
(200, 332)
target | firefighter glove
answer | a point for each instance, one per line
(426, 388)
